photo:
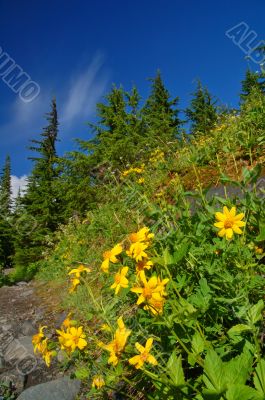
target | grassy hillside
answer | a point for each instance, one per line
(188, 290)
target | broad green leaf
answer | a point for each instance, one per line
(175, 370)
(259, 377)
(214, 373)
(238, 329)
(255, 312)
(242, 392)
(197, 343)
(237, 370)
(181, 252)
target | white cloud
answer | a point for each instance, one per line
(18, 183)
(76, 100)
(84, 92)
(25, 120)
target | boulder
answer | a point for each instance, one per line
(59, 389)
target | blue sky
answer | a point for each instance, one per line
(76, 49)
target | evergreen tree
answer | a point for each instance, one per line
(5, 187)
(202, 112)
(161, 115)
(252, 81)
(6, 231)
(41, 212)
(116, 132)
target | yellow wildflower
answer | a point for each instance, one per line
(141, 180)
(46, 353)
(151, 293)
(258, 250)
(73, 338)
(38, 338)
(98, 382)
(68, 322)
(155, 305)
(120, 280)
(78, 271)
(137, 251)
(142, 265)
(144, 356)
(110, 256)
(229, 223)
(116, 346)
(143, 235)
(75, 282)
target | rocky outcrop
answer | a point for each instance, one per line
(21, 371)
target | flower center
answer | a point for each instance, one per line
(107, 254)
(117, 278)
(140, 265)
(147, 292)
(228, 224)
(144, 355)
(133, 237)
(75, 339)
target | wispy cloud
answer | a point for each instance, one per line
(76, 103)
(84, 92)
(18, 183)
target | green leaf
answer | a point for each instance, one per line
(213, 373)
(238, 329)
(197, 348)
(168, 258)
(242, 392)
(197, 343)
(181, 252)
(237, 370)
(255, 312)
(261, 235)
(175, 370)
(259, 377)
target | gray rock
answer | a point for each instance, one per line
(60, 319)
(27, 293)
(27, 328)
(18, 349)
(59, 389)
(2, 364)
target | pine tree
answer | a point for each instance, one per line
(252, 81)
(5, 187)
(202, 112)
(161, 115)
(6, 231)
(41, 212)
(116, 132)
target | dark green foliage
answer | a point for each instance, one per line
(6, 232)
(202, 112)
(160, 114)
(41, 212)
(117, 131)
(252, 81)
